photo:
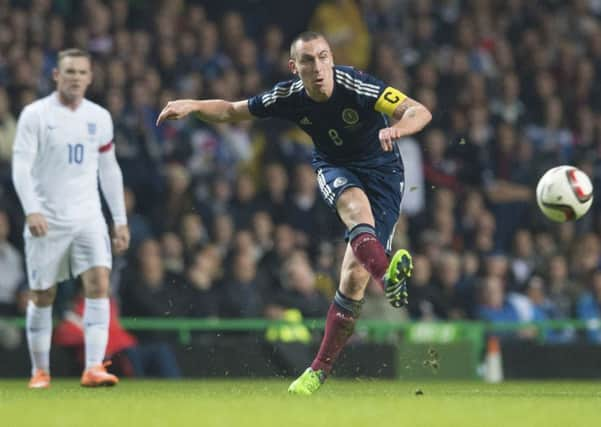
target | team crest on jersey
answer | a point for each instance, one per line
(350, 116)
(91, 128)
(340, 181)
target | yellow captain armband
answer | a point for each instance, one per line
(389, 100)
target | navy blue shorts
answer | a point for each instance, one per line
(383, 186)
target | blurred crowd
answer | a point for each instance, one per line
(227, 220)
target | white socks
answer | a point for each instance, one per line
(39, 335)
(96, 316)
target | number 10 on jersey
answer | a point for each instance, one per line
(75, 153)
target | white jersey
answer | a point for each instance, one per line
(66, 144)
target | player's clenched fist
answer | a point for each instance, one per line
(120, 239)
(175, 110)
(388, 136)
(37, 224)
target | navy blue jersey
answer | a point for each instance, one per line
(344, 128)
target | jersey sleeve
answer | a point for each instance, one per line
(106, 132)
(26, 138)
(111, 184)
(272, 102)
(25, 149)
(372, 93)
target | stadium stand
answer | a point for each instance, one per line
(514, 87)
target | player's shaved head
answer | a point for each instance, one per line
(304, 37)
(311, 60)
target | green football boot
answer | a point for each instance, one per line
(308, 383)
(395, 279)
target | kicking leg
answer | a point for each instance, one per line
(355, 211)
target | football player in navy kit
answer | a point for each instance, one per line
(348, 115)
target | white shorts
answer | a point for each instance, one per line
(66, 252)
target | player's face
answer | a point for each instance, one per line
(73, 76)
(313, 63)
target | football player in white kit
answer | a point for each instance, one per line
(63, 148)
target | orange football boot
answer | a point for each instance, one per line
(41, 379)
(97, 376)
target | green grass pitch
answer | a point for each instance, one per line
(243, 402)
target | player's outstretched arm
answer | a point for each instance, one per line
(412, 117)
(210, 110)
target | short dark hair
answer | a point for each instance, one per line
(305, 36)
(72, 53)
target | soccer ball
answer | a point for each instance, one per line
(564, 193)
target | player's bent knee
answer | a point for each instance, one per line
(355, 281)
(353, 207)
(351, 199)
